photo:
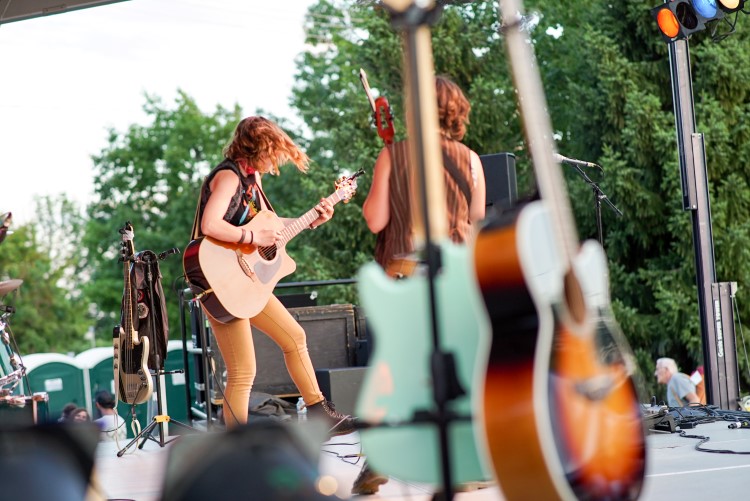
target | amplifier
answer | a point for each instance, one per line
(331, 340)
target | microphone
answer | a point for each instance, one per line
(579, 163)
(739, 424)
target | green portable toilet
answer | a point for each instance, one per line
(97, 365)
(59, 376)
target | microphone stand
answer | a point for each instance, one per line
(599, 195)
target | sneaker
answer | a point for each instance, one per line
(368, 481)
(339, 423)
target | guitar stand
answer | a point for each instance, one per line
(149, 258)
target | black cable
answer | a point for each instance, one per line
(704, 439)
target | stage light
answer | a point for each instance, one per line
(678, 19)
(731, 5)
(667, 23)
(706, 8)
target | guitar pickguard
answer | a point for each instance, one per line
(267, 270)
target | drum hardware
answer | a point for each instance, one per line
(12, 369)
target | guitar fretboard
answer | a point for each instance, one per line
(303, 222)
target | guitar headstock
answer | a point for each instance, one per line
(127, 246)
(366, 85)
(346, 186)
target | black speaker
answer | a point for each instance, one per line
(500, 177)
(331, 341)
(341, 386)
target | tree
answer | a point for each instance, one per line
(50, 314)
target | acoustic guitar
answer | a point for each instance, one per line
(133, 383)
(561, 412)
(236, 280)
(439, 308)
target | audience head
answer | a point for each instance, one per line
(105, 399)
(79, 415)
(665, 369)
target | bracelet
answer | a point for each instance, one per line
(251, 236)
(242, 238)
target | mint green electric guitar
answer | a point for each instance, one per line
(397, 394)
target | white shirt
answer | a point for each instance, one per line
(112, 425)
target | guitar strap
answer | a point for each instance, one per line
(195, 234)
(461, 181)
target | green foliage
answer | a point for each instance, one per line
(51, 315)
(150, 175)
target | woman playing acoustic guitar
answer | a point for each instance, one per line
(232, 195)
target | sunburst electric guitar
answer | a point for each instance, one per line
(133, 381)
(561, 411)
(236, 280)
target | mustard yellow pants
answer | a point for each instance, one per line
(236, 346)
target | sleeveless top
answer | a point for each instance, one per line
(245, 203)
(395, 240)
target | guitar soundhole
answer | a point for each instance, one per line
(267, 253)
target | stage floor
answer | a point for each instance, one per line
(675, 469)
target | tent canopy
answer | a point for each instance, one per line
(18, 10)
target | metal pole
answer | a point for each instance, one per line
(696, 200)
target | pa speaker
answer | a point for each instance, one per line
(500, 177)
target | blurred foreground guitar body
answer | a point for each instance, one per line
(561, 412)
(426, 325)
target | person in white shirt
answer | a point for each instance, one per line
(681, 390)
(111, 424)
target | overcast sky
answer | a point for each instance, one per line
(66, 78)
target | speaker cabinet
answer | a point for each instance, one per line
(341, 386)
(331, 341)
(500, 177)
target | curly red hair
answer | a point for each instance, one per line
(258, 140)
(453, 108)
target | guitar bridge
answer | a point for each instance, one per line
(243, 265)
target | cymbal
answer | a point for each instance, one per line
(7, 286)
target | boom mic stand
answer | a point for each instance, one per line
(599, 195)
(150, 259)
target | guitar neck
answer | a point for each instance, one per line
(128, 306)
(428, 190)
(303, 222)
(538, 129)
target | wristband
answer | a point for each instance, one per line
(242, 238)
(252, 236)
